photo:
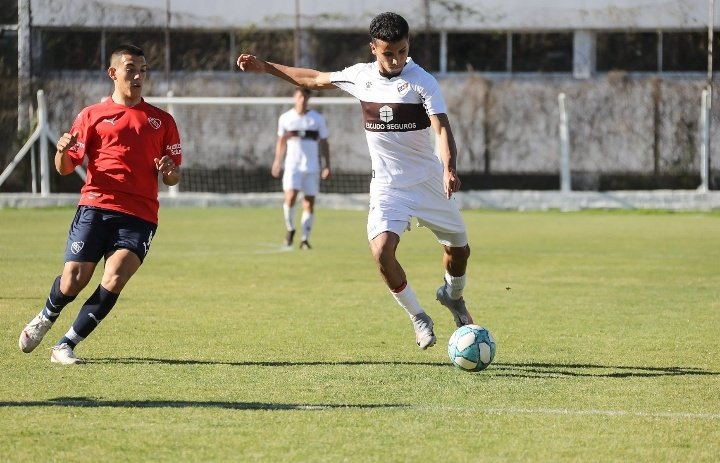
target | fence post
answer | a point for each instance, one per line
(44, 160)
(705, 145)
(564, 147)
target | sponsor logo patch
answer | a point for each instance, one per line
(174, 150)
(386, 113)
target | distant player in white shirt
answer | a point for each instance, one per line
(302, 141)
(401, 102)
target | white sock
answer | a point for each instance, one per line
(407, 300)
(306, 222)
(73, 336)
(454, 285)
(289, 214)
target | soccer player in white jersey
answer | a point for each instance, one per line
(302, 141)
(401, 103)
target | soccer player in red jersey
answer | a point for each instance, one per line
(128, 143)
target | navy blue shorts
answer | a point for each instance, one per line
(96, 232)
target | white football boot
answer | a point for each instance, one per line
(34, 332)
(424, 335)
(456, 306)
(64, 355)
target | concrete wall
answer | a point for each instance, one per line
(617, 124)
(356, 14)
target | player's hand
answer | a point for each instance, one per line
(325, 174)
(451, 182)
(275, 169)
(250, 63)
(166, 165)
(66, 142)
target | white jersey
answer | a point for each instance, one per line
(397, 126)
(303, 131)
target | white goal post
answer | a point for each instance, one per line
(229, 142)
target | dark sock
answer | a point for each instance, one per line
(91, 314)
(56, 301)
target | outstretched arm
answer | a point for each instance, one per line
(302, 77)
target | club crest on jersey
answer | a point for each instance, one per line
(403, 88)
(386, 113)
(154, 122)
(77, 246)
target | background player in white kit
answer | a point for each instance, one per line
(400, 102)
(302, 140)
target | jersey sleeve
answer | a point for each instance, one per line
(281, 125)
(80, 127)
(323, 127)
(431, 95)
(173, 148)
(346, 79)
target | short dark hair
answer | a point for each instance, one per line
(127, 49)
(303, 90)
(389, 27)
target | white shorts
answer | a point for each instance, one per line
(307, 182)
(392, 209)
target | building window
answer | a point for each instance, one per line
(276, 46)
(8, 54)
(151, 42)
(199, 51)
(337, 50)
(636, 51)
(425, 50)
(687, 51)
(552, 52)
(9, 13)
(477, 52)
(70, 50)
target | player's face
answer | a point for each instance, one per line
(129, 74)
(391, 56)
(301, 101)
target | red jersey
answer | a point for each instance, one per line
(121, 144)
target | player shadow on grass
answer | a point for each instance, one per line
(90, 402)
(520, 370)
(560, 370)
(256, 363)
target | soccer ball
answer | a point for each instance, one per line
(471, 348)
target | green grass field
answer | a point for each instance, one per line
(224, 348)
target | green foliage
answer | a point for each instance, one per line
(224, 348)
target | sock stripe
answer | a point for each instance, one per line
(400, 288)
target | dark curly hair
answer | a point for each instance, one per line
(389, 27)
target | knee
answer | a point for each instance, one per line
(460, 254)
(383, 255)
(74, 279)
(114, 282)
